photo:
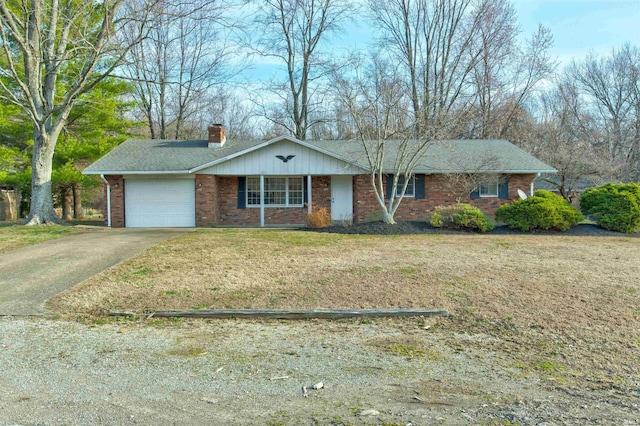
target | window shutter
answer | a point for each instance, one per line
(305, 191)
(475, 194)
(242, 192)
(420, 186)
(389, 185)
(503, 187)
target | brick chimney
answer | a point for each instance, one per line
(217, 136)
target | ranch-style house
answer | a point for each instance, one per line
(220, 182)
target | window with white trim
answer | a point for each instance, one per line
(253, 191)
(411, 187)
(488, 189)
(278, 191)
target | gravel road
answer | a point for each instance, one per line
(243, 372)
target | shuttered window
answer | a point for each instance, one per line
(411, 187)
(415, 188)
(278, 191)
(488, 189)
(492, 188)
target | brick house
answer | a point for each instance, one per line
(200, 183)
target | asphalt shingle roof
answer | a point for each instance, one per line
(169, 156)
(449, 156)
(159, 155)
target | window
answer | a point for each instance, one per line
(278, 191)
(488, 189)
(253, 191)
(411, 187)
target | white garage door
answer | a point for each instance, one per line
(159, 203)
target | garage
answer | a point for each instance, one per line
(159, 203)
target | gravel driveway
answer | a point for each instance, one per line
(243, 372)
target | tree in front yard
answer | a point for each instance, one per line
(52, 54)
(378, 109)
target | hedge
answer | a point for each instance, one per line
(543, 211)
(461, 216)
(615, 207)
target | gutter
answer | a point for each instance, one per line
(108, 200)
(137, 172)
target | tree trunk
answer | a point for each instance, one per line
(388, 217)
(41, 212)
(67, 200)
(77, 201)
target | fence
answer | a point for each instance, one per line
(9, 205)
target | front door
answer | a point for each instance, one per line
(342, 199)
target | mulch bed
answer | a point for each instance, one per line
(409, 228)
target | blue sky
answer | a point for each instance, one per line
(580, 26)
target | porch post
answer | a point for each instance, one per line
(309, 194)
(262, 200)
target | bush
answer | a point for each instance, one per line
(613, 206)
(461, 216)
(545, 210)
(319, 218)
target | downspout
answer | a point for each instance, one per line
(108, 200)
(531, 185)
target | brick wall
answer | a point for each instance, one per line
(217, 201)
(117, 200)
(230, 214)
(321, 192)
(438, 191)
(207, 200)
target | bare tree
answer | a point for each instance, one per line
(53, 53)
(472, 174)
(566, 129)
(378, 108)
(507, 72)
(291, 32)
(185, 55)
(233, 110)
(433, 41)
(610, 88)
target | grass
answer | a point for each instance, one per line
(407, 348)
(187, 351)
(14, 236)
(566, 305)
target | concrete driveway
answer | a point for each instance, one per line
(29, 276)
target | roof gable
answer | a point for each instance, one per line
(282, 145)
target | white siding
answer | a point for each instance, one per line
(264, 161)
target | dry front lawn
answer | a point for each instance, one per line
(567, 308)
(15, 236)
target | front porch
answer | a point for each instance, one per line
(266, 200)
